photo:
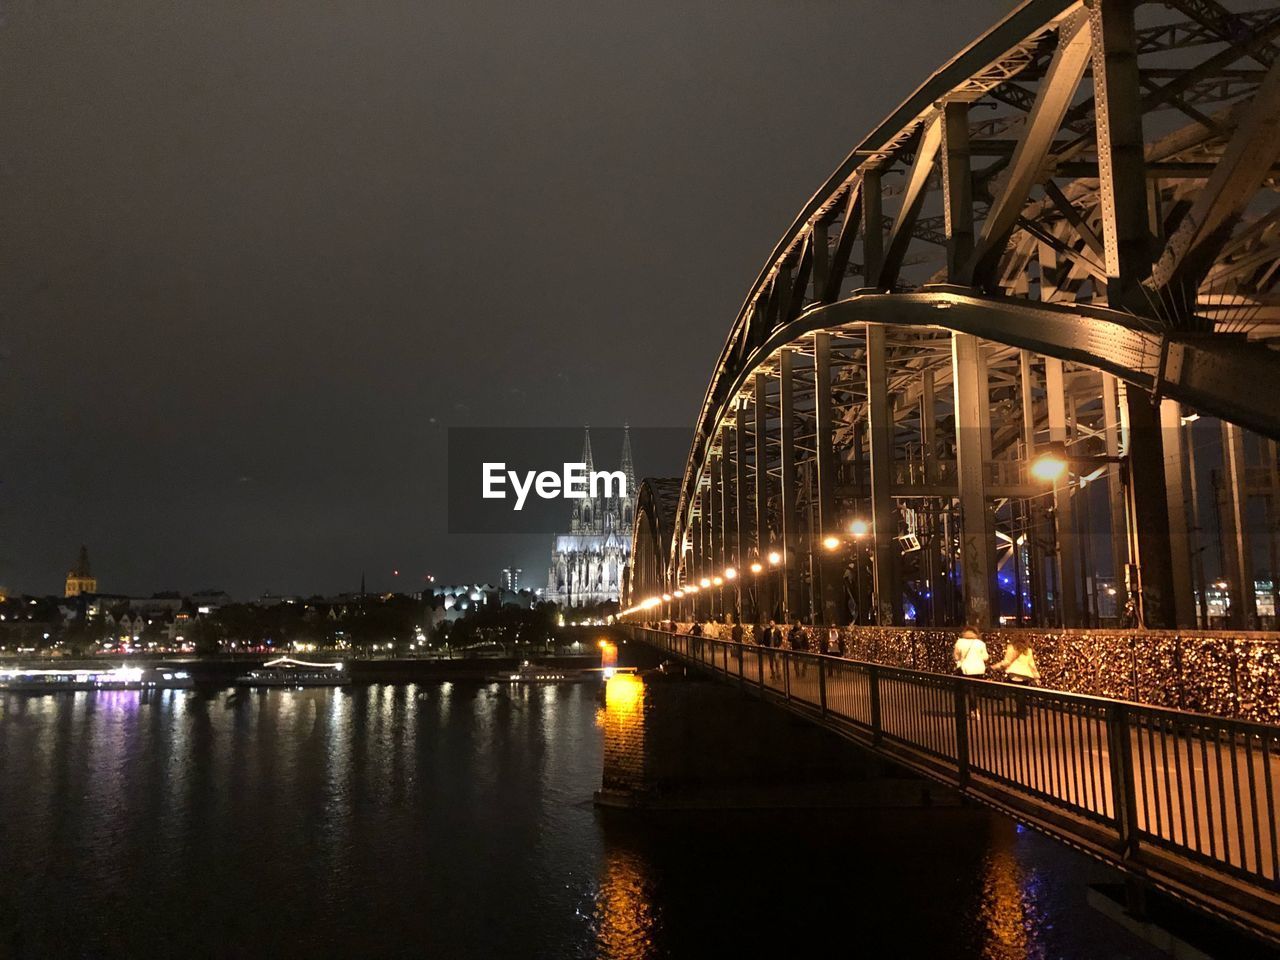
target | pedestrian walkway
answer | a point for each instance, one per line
(1185, 800)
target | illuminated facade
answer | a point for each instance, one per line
(588, 561)
(80, 579)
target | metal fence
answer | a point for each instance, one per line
(1187, 800)
(1230, 674)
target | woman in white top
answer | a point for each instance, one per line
(1019, 665)
(970, 653)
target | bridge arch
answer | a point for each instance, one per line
(651, 538)
(1087, 269)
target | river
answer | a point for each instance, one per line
(456, 820)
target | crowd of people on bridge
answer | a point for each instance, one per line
(970, 653)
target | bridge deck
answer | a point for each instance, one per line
(1184, 800)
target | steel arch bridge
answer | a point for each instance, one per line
(1067, 240)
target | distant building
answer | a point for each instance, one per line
(511, 578)
(587, 562)
(81, 579)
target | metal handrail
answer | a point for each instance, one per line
(1189, 801)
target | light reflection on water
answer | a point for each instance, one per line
(625, 917)
(455, 820)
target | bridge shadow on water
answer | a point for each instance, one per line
(941, 882)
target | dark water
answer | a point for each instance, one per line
(455, 820)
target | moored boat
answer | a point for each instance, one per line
(541, 673)
(40, 680)
(288, 672)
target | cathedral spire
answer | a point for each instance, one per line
(586, 449)
(628, 467)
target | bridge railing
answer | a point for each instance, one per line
(1227, 673)
(1132, 783)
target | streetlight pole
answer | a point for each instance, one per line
(1053, 465)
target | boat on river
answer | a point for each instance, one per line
(542, 673)
(288, 672)
(57, 680)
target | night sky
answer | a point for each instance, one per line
(257, 258)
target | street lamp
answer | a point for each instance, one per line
(757, 566)
(775, 558)
(859, 528)
(831, 542)
(1051, 464)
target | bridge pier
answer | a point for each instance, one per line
(685, 742)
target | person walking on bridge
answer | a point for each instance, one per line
(970, 655)
(833, 647)
(1019, 666)
(771, 639)
(798, 642)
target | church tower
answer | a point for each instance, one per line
(586, 512)
(587, 562)
(81, 580)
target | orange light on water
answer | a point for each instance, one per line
(623, 693)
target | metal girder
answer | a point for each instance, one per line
(1238, 550)
(968, 375)
(844, 246)
(1139, 183)
(912, 198)
(1193, 33)
(764, 591)
(1115, 487)
(823, 562)
(1187, 80)
(928, 229)
(715, 522)
(957, 187)
(742, 498)
(1121, 152)
(1203, 373)
(1247, 159)
(1072, 215)
(1063, 499)
(1224, 26)
(1054, 97)
(787, 457)
(884, 524)
(1179, 535)
(872, 226)
(801, 282)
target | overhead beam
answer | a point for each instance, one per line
(968, 375)
(957, 187)
(1244, 163)
(763, 584)
(884, 521)
(790, 514)
(912, 198)
(1052, 100)
(824, 562)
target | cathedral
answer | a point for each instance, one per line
(587, 562)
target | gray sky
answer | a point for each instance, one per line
(257, 258)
